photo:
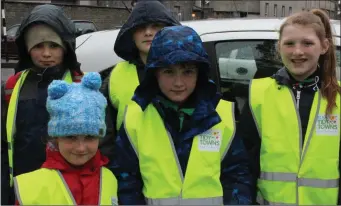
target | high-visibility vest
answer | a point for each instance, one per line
(163, 180)
(294, 172)
(12, 113)
(48, 187)
(123, 81)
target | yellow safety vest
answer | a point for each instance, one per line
(294, 172)
(12, 114)
(123, 81)
(48, 187)
(164, 181)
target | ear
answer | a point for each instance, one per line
(325, 46)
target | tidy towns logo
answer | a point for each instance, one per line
(327, 125)
(210, 140)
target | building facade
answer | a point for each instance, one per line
(254, 8)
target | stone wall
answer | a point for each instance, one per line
(103, 17)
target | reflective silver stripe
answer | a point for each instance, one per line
(9, 145)
(234, 133)
(67, 187)
(8, 91)
(16, 190)
(100, 186)
(78, 77)
(299, 123)
(292, 177)
(11, 170)
(176, 158)
(312, 128)
(300, 146)
(192, 201)
(278, 176)
(125, 129)
(319, 183)
(276, 203)
(253, 114)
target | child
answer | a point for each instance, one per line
(74, 172)
(46, 49)
(177, 145)
(292, 125)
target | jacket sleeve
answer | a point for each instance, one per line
(235, 175)
(247, 131)
(125, 166)
(106, 144)
(6, 191)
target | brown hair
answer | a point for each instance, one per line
(319, 21)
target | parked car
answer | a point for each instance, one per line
(82, 27)
(9, 48)
(239, 50)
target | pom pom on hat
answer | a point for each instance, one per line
(57, 89)
(92, 80)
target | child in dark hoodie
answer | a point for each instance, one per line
(46, 46)
(177, 145)
(74, 172)
(132, 44)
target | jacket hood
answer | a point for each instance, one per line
(283, 78)
(144, 12)
(54, 17)
(170, 46)
(54, 160)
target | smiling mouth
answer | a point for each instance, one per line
(178, 91)
(298, 61)
(47, 63)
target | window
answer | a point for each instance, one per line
(266, 9)
(242, 60)
(275, 10)
(290, 10)
(283, 11)
(12, 31)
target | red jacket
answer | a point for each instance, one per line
(84, 182)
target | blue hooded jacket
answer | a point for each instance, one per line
(173, 45)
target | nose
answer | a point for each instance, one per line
(178, 81)
(148, 30)
(298, 50)
(46, 52)
(80, 146)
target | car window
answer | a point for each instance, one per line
(242, 60)
(85, 26)
(12, 31)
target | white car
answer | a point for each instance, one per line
(239, 50)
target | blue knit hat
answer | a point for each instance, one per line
(77, 108)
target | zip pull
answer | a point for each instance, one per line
(298, 97)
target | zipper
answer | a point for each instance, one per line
(298, 96)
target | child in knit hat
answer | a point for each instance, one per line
(74, 171)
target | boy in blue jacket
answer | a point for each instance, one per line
(177, 145)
